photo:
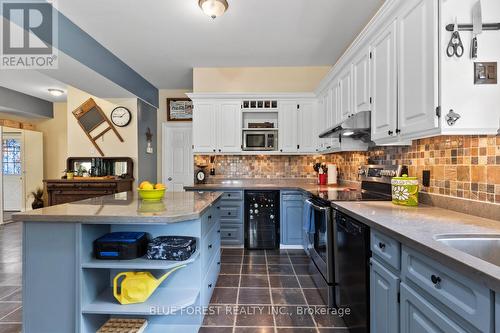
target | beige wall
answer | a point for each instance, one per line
(54, 139)
(258, 79)
(80, 145)
(55, 145)
(162, 118)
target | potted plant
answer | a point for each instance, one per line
(38, 198)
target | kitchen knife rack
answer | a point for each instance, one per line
(468, 27)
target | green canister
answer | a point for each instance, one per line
(405, 190)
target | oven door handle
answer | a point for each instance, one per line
(336, 261)
(316, 207)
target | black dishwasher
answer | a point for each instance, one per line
(262, 219)
(351, 251)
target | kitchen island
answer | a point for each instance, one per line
(65, 289)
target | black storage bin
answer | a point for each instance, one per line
(178, 248)
(121, 245)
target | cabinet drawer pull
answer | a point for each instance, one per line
(435, 279)
(210, 246)
(381, 246)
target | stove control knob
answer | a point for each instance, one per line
(256, 205)
(251, 211)
(271, 217)
(362, 172)
(256, 211)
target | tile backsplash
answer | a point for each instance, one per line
(461, 166)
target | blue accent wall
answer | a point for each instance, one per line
(146, 163)
(24, 105)
(82, 47)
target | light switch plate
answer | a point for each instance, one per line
(485, 73)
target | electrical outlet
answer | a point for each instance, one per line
(426, 178)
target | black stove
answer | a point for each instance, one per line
(375, 185)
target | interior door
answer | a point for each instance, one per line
(12, 170)
(177, 157)
(32, 156)
(417, 76)
(384, 83)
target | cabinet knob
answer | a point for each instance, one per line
(229, 234)
(398, 131)
(210, 246)
(215, 150)
(218, 231)
(209, 286)
(169, 179)
(229, 194)
(389, 132)
(228, 213)
(281, 150)
(435, 279)
(209, 217)
(381, 246)
(220, 150)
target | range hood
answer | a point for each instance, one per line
(356, 127)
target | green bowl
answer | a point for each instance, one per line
(151, 195)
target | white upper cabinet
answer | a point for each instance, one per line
(287, 122)
(361, 84)
(217, 126)
(230, 123)
(205, 127)
(345, 94)
(418, 66)
(307, 119)
(384, 83)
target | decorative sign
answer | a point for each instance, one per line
(179, 109)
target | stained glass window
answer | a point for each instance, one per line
(11, 157)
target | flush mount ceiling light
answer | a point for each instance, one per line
(56, 92)
(213, 8)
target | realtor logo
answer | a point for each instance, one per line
(29, 35)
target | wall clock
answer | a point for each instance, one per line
(121, 116)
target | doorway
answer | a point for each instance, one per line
(22, 169)
(177, 157)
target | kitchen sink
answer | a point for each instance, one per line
(485, 247)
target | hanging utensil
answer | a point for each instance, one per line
(477, 27)
(455, 46)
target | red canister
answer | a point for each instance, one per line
(323, 178)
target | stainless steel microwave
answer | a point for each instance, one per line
(260, 140)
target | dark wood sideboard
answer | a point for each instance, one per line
(107, 175)
(62, 191)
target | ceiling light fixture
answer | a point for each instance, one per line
(56, 92)
(213, 8)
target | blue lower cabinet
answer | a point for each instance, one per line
(384, 307)
(419, 315)
(497, 312)
(291, 219)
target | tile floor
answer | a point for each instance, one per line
(10, 278)
(267, 292)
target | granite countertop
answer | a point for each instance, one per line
(308, 186)
(417, 227)
(126, 207)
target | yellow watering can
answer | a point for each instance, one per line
(136, 287)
